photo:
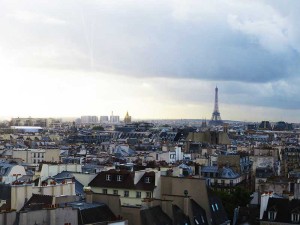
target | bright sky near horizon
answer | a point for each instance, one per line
(154, 59)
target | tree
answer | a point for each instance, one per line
(100, 128)
(230, 201)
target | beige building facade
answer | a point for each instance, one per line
(36, 156)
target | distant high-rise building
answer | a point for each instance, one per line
(127, 118)
(104, 119)
(281, 125)
(41, 122)
(216, 116)
(265, 125)
(114, 119)
(89, 119)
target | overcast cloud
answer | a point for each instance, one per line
(177, 50)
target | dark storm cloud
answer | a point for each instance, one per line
(158, 39)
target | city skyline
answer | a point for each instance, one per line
(156, 60)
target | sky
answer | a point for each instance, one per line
(154, 59)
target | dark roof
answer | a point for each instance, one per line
(227, 173)
(284, 208)
(199, 213)
(179, 217)
(5, 194)
(217, 210)
(155, 216)
(248, 215)
(89, 213)
(37, 202)
(60, 177)
(209, 169)
(126, 183)
(142, 185)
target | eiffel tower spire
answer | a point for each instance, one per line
(216, 116)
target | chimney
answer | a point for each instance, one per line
(88, 194)
(186, 202)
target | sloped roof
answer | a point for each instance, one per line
(5, 191)
(5, 168)
(217, 210)
(199, 213)
(155, 215)
(228, 173)
(209, 169)
(284, 208)
(209, 137)
(126, 183)
(90, 213)
(179, 217)
(142, 185)
(5, 194)
(67, 175)
(37, 202)
(122, 152)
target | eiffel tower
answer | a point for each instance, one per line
(216, 117)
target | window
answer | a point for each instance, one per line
(115, 192)
(272, 215)
(202, 218)
(223, 182)
(148, 194)
(231, 182)
(147, 180)
(108, 177)
(119, 177)
(126, 193)
(173, 156)
(213, 208)
(295, 217)
(104, 191)
(216, 205)
(138, 194)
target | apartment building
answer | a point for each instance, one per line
(36, 155)
(132, 187)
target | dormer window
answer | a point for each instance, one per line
(202, 218)
(147, 180)
(272, 215)
(295, 217)
(108, 177)
(119, 177)
(213, 207)
(216, 206)
(2, 171)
